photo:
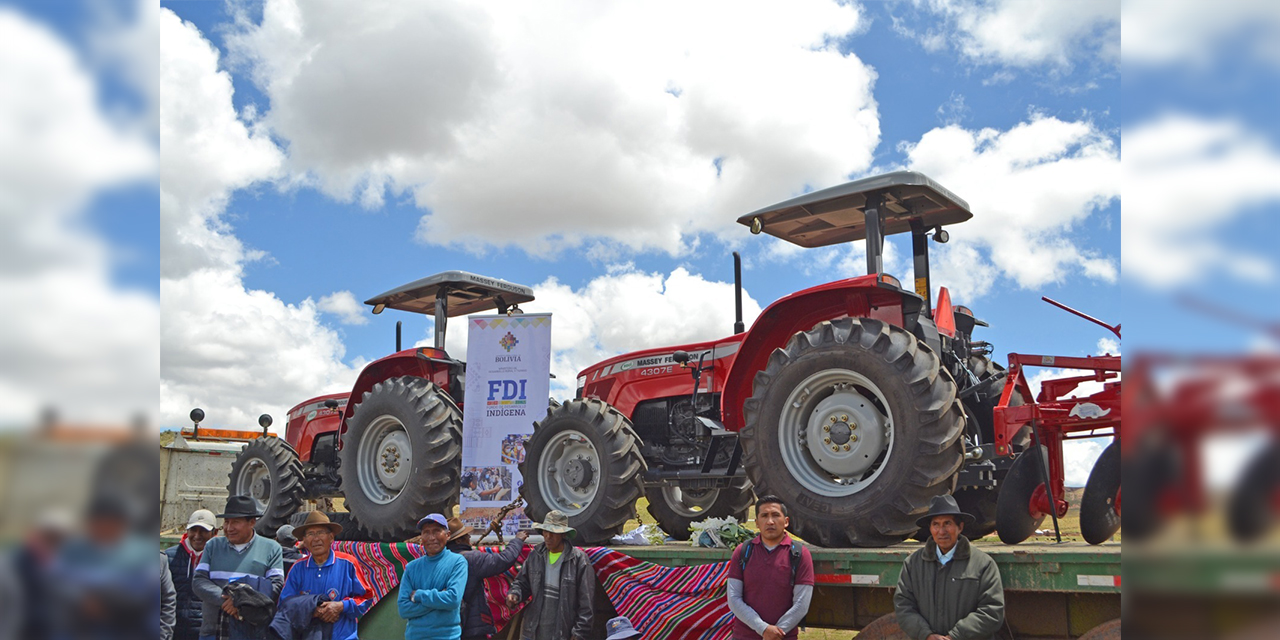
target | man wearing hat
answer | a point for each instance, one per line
(949, 589)
(560, 582)
(183, 558)
(240, 556)
(620, 628)
(432, 585)
(329, 574)
(477, 618)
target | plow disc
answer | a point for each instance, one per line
(1256, 501)
(1099, 511)
(1015, 519)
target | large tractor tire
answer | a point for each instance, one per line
(1099, 519)
(856, 428)
(268, 471)
(675, 508)
(584, 459)
(401, 456)
(1251, 510)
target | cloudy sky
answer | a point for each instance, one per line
(310, 155)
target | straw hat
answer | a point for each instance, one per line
(458, 530)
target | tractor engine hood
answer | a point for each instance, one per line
(654, 364)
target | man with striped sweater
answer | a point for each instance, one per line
(241, 556)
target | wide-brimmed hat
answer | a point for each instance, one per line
(240, 507)
(620, 628)
(556, 522)
(316, 519)
(943, 506)
(458, 529)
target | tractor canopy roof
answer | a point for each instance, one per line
(836, 215)
(466, 293)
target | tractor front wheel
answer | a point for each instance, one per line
(584, 459)
(856, 428)
(401, 456)
(268, 471)
(675, 507)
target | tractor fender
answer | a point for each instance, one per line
(861, 297)
(421, 362)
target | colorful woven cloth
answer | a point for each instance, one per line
(680, 603)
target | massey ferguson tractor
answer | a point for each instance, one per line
(399, 454)
(856, 401)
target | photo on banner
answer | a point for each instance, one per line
(508, 386)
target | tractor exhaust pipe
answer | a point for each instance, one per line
(399, 323)
(738, 327)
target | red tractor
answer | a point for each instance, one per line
(856, 401)
(399, 454)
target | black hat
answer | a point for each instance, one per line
(240, 507)
(943, 506)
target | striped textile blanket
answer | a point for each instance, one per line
(680, 603)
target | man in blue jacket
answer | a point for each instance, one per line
(328, 574)
(432, 586)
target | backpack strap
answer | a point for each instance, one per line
(746, 555)
(797, 550)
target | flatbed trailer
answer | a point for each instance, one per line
(1052, 591)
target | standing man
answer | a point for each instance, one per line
(776, 598)
(948, 589)
(329, 575)
(432, 586)
(240, 556)
(183, 558)
(559, 579)
(477, 618)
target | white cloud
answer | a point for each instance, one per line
(344, 305)
(69, 339)
(547, 126)
(233, 351)
(1029, 188)
(1159, 32)
(1108, 347)
(1184, 178)
(1020, 33)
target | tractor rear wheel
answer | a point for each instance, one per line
(856, 428)
(1252, 508)
(584, 459)
(268, 471)
(401, 456)
(1099, 519)
(675, 508)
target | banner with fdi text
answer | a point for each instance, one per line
(508, 384)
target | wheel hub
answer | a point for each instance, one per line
(569, 472)
(394, 460)
(853, 434)
(578, 473)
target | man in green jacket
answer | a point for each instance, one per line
(949, 589)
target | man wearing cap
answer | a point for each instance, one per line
(183, 558)
(949, 589)
(560, 582)
(477, 618)
(240, 556)
(432, 586)
(288, 542)
(328, 574)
